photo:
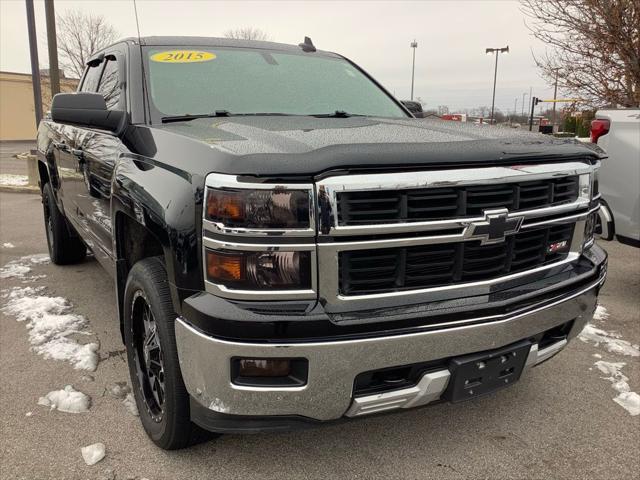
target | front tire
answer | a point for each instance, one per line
(64, 248)
(160, 393)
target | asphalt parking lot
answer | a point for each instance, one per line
(559, 421)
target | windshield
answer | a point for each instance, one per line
(196, 81)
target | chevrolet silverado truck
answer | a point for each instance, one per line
(289, 246)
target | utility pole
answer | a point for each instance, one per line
(35, 67)
(414, 45)
(497, 52)
(515, 107)
(493, 97)
(534, 102)
(523, 102)
(555, 95)
(52, 43)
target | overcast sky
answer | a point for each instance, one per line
(451, 66)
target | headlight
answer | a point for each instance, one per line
(267, 270)
(258, 238)
(259, 209)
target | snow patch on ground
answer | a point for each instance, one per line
(37, 259)
(601, 313)
(630, 401)
(615, 376)
(122, 391)
(8, 245)
(66, 400)
(33, 278)
(21, 291)
(627, 399)
(51, 325)
(611, 341)
(16, 270)
(92, 454)
(119, 390)
(11, 180)
(20, 267)
(130, 404)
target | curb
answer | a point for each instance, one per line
(20, 189)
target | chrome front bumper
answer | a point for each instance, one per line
(431, 386)
(333, 366)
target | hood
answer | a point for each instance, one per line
(308, 145)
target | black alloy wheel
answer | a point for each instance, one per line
(149, 360)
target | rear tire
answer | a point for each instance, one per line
(161, 396)
(64, 248)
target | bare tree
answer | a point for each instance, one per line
(79, 35)
(247, 33)
(594, 47)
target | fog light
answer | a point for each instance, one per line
(269, 372)
(264, 367)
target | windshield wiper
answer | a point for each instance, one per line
(265, 114)
(189, 117)
(224, 113)
(337, 114)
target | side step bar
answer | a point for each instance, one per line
(431, 386)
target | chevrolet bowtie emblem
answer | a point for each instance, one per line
(494, 228)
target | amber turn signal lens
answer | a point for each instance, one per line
(225, 267)
(225, 206)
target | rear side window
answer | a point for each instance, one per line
(91, 79)
(110, 84)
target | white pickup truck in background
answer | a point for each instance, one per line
(617, 131)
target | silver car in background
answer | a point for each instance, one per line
(617, 131)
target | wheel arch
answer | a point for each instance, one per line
(133, 242)
(154, 214)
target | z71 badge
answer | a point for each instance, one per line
(557, 247)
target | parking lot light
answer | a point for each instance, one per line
(497, 52)
(414, 45)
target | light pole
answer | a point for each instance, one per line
(555, 96)
(35, 67)
(52, 44)
(497, 52)
(414, 45)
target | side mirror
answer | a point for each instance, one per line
(413, 107)
(87, 110)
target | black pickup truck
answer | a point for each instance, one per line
(290, 246)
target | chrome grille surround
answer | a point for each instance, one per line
(334, 238)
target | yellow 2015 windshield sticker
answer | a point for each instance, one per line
(182, 56)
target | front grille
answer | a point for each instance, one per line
(406, 268)
(395, 206)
